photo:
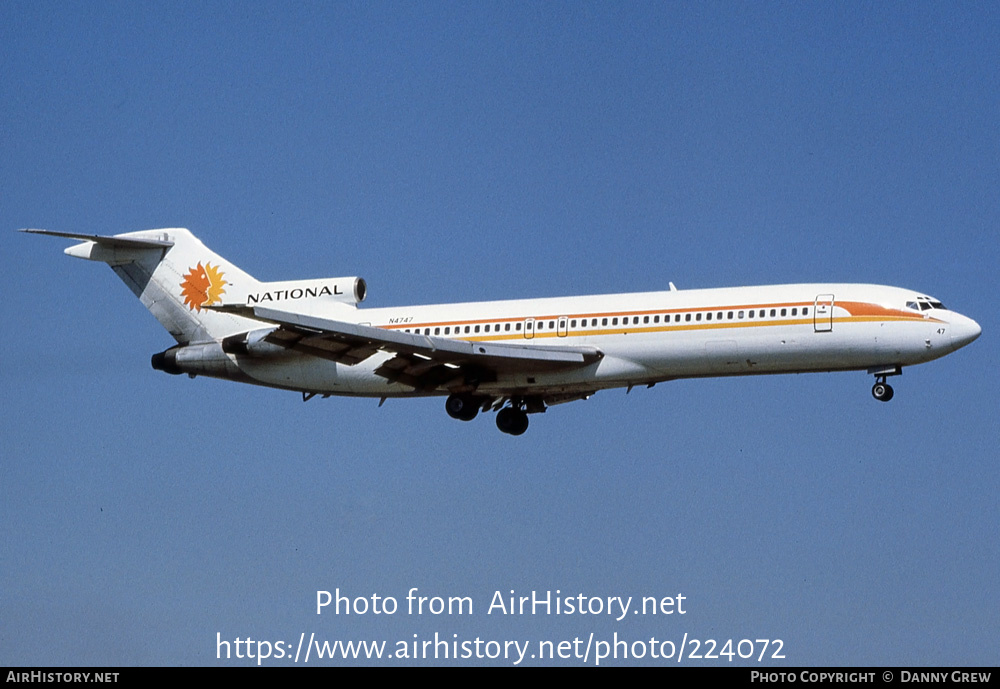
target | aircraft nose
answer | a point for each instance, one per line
(963, 331)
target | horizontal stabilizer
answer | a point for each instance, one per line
(110, 242)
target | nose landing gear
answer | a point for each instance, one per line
(882, 391)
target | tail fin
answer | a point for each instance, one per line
(174, 275)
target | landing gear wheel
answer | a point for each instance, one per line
(461, 407)
(882, 392)
(512, 421)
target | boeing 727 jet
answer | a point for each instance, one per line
(512, 357)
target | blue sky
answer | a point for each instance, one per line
(451, 152)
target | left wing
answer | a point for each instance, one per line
(422, 361)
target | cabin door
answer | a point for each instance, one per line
(823, 313)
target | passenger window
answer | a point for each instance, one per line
(729, 315)
(476, 328)
(697, 317)
(795, 312)
(783, 312)
(604, 321)
(805, 312)
(517, 326)
(614, 321)
(645, 319)
(708, 317)
(656, 319)
(506, 327)
(773, 313)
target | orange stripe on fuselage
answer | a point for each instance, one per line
(858, 312)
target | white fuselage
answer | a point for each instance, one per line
(513, 357)
(656, 336)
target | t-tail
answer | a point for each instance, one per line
(203, 300)
(175, 276)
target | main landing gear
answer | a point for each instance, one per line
(512, 419)
(462, 407)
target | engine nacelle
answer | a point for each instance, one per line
(206, 359)
(253, 344)
(306, 293)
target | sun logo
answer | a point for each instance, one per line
(202, 286)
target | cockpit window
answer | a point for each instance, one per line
(925, 304)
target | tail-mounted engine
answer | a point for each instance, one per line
(206, 359)
(304, 293)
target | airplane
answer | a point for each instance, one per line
(514, 357)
